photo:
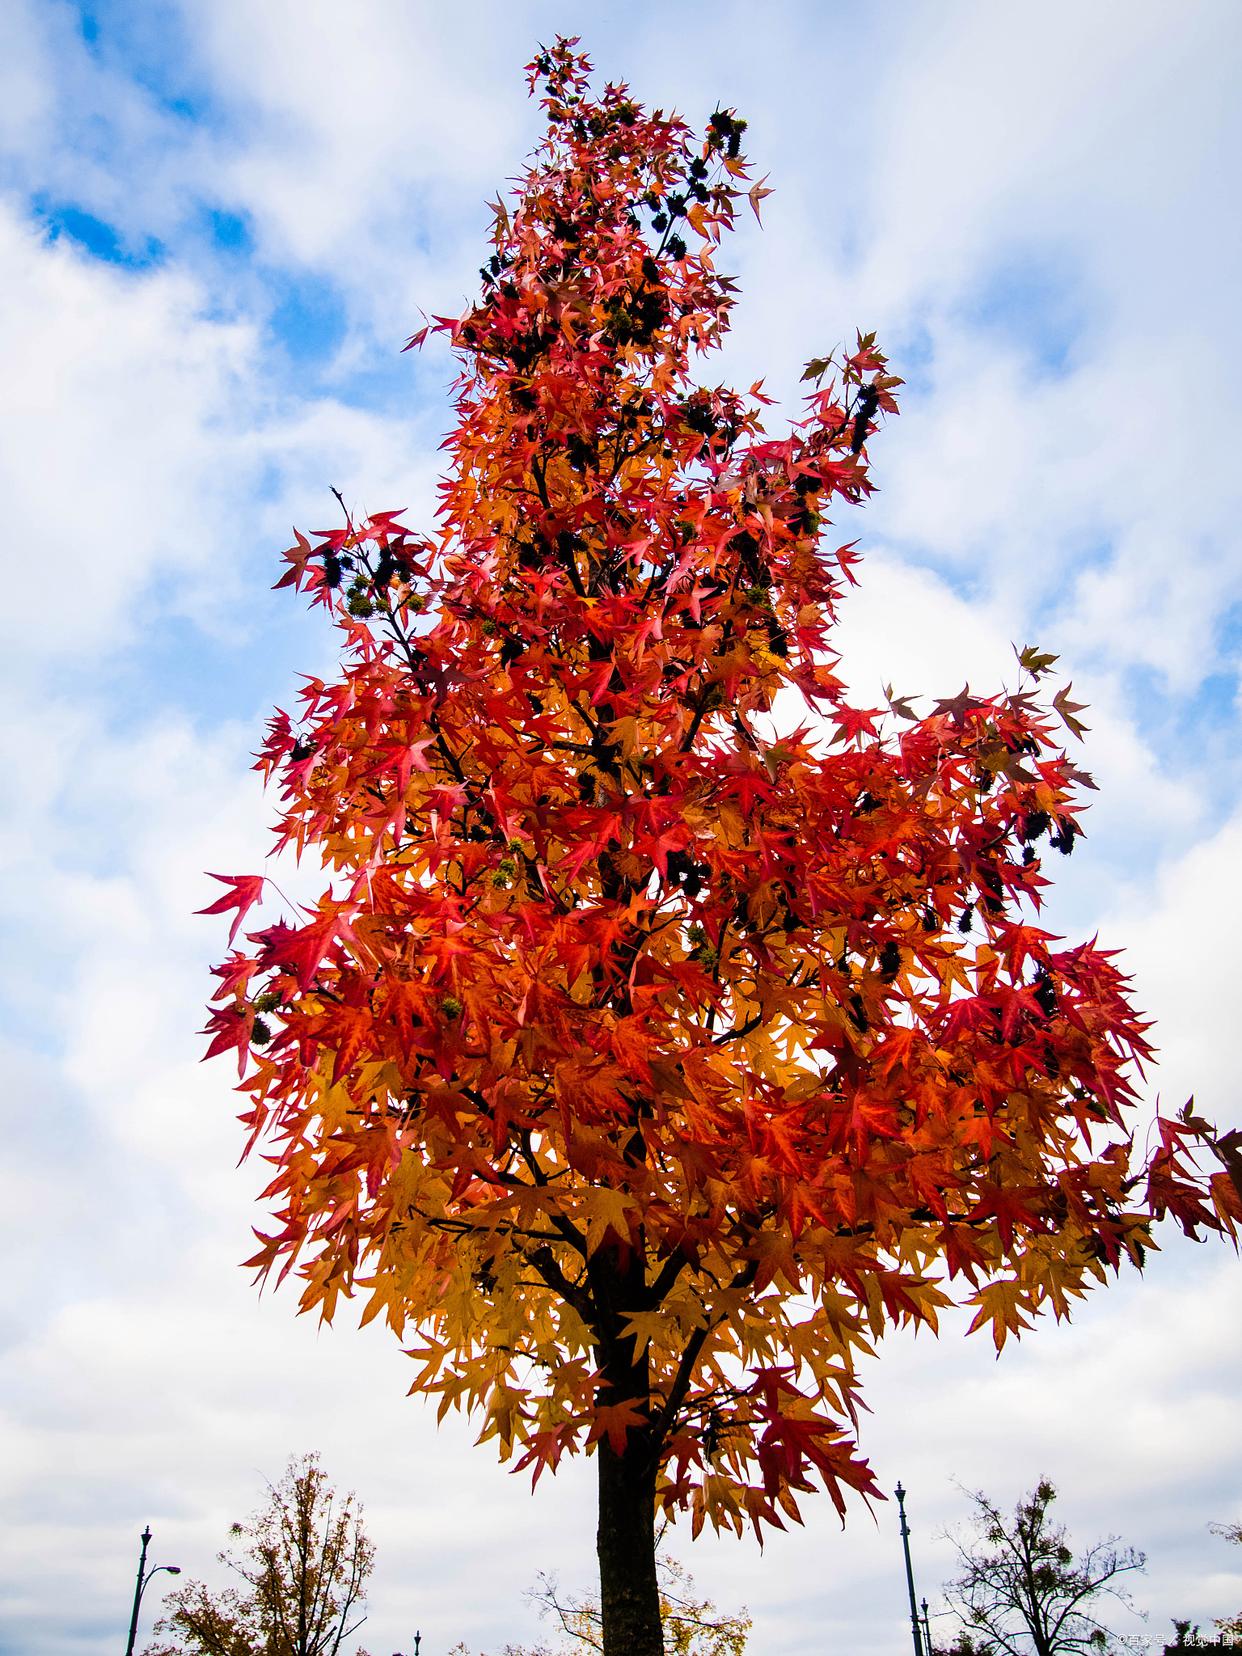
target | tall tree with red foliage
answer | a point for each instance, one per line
(670, 1028)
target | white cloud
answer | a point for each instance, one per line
(1007, 185)
(152, 462)
(362, 146)
(1177, 926)
(123, 410)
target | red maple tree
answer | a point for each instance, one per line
(653, 1049)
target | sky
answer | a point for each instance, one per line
(219, 222)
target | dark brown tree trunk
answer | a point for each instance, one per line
(629, 1592)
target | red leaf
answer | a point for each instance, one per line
(244, 892)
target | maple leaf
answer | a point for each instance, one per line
(756, 195)
(297, 557)
(1228, 1146)
(300, 950)
(615, 1421)
(244, 892)
(900, 705)
(1036, 662)
(1067, 710)
(407, 1007)
(957, 707)
(1002, 1304)
(853, 723)
(230, 1029)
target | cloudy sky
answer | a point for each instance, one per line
(219, 220)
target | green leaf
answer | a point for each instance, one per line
(1035, 661)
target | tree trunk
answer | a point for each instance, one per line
(628, 1590)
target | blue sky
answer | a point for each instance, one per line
(218, 224)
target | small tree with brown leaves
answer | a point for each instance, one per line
(304, 1559)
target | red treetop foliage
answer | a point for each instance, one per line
(641, 1064)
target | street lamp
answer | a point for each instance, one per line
(905, 1542)
(140, 1586)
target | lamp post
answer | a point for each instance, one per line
(140, 1586)
(905, 1543)
(927, 1644)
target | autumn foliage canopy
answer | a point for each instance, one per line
(669, 1027)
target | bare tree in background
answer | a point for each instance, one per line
(303, 1561)
(692, 1626)
(1022, 1592)
(1230, 1627)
